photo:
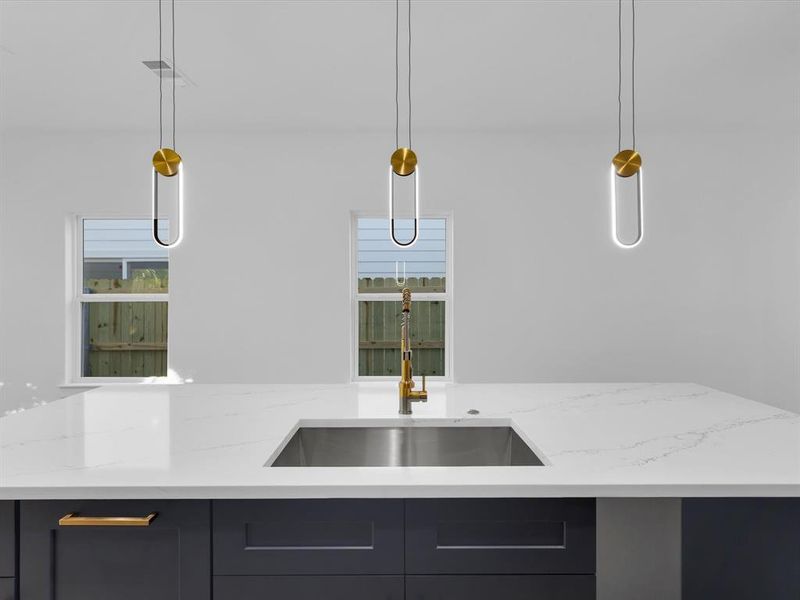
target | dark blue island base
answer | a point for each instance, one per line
(357, 549)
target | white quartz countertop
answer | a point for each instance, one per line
(212, 441)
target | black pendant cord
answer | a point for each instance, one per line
(160, 84)
(619, 75)
(161, 78)
(174, 146)
(397, 73)
(633, 72)
(409, 73)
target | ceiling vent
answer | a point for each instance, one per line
(165, 69)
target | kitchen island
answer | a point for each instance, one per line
(187, 470)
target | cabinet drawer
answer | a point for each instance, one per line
(500, 587)
(500, 536)
(303, 587)
(6, 588)
(308, 537)
(7, 539)
(169, 559)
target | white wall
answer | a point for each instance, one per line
(711, 295)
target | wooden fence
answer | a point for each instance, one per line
(379, 337)
(379, 327)
(385, 285)
(125, 339)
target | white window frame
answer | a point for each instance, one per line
(356, 296)
(75, 298)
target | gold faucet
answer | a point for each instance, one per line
(406, 385)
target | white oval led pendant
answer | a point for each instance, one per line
(403, 162)
(627, 202)
(166, 161)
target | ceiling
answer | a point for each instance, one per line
(329, 64)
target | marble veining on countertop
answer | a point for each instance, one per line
(212, 441)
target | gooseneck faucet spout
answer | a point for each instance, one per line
(406, 385)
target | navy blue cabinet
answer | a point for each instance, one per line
(8, 549)
(741, 548)
(170, 559)
(504, 549)
(500, 536)
(308, 550)
(326, 549)
(382, 549)
(6, 588)
(7, 539)
(303, 587)
(500, 587)
(308, 537)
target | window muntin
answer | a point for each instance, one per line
(122, 301)
(382, 270)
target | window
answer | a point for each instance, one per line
(121, 304)
(381, 271)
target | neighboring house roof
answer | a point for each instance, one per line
(122, 239)
(379, 257)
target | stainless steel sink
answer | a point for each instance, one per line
(405, 447)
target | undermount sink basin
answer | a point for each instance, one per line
(415, 446)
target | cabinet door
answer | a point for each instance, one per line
(7, 539)
(741, 548)
(514, 536)
(302, 587)
(500, 587)
(169, 559)
(308, 537)
(6, 588)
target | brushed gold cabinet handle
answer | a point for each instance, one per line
(73, 520)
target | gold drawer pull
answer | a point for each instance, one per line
(71, 519)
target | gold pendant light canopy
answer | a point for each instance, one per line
(167, 162)
(627, 162)
(404, 161)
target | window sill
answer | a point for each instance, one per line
(396, 378)
(78, 385)
(116, 382)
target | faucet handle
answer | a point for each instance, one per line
(423, 384)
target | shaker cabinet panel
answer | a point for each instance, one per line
(167, 559)
(6, 588)
(308, 537)
(7, 538)
(304, 587)
(741, 548)
(500, 587)
(500, 536)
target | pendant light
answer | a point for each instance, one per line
(166, 161)
(626, 166)
(403, 162)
